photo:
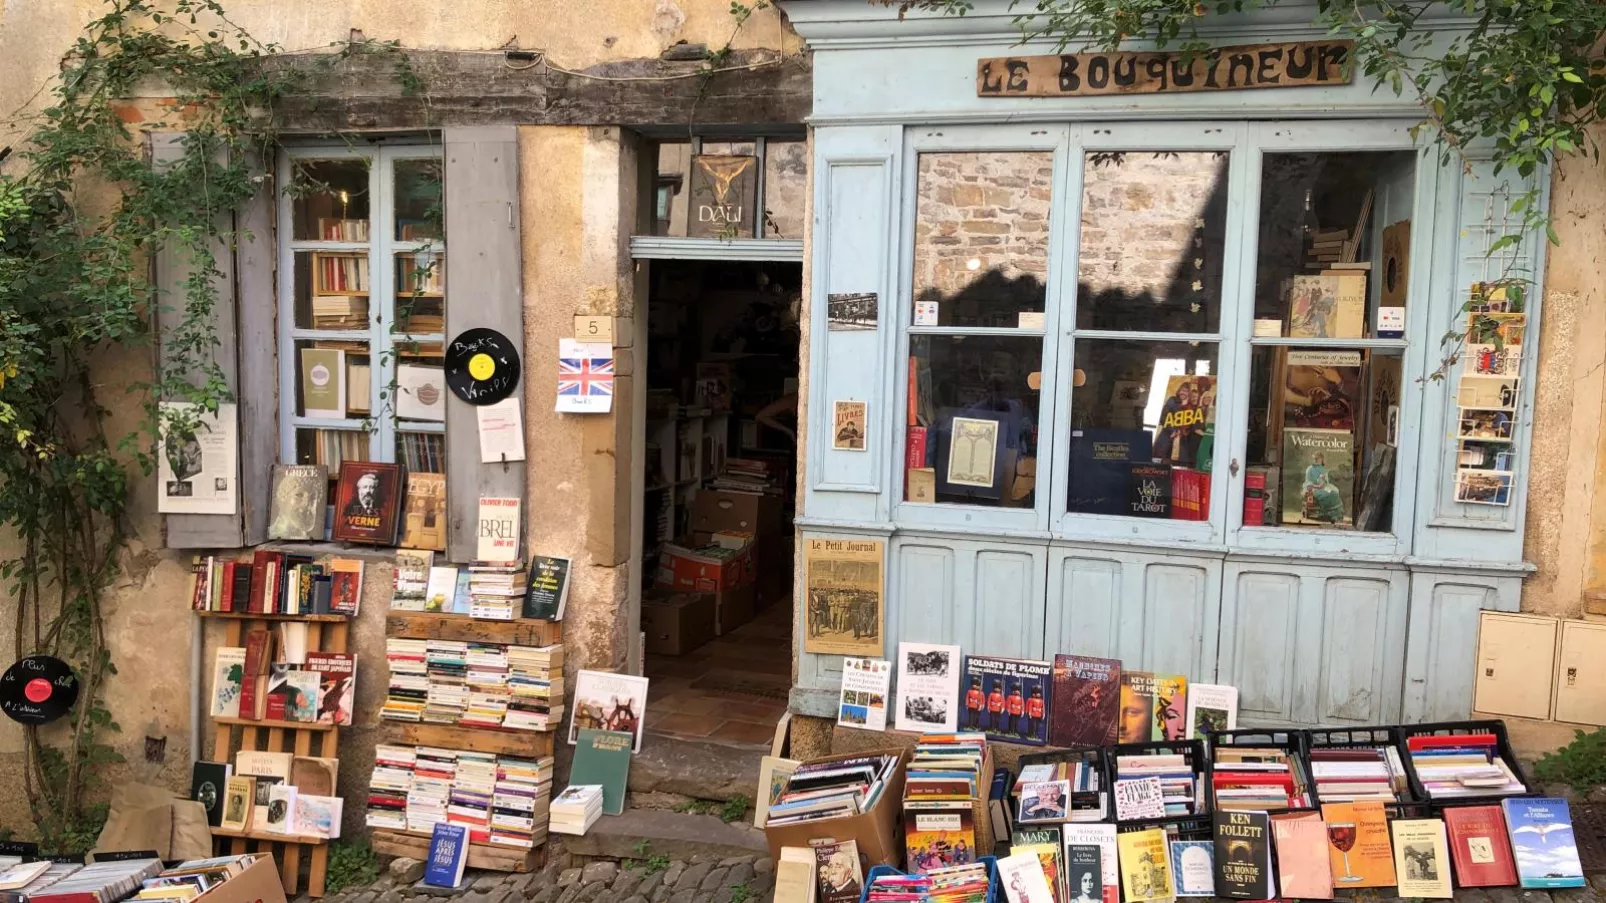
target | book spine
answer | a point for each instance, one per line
(917, 446)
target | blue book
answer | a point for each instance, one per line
(1542, 840)
(1193, 867)
(448, 853)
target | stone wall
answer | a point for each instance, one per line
(1139, 218)
(978, 214)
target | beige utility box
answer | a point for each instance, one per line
(1581, 673)
(1516, 664)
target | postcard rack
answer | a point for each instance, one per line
(525, 744)
(325, 633)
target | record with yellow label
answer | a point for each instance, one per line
(482, 366)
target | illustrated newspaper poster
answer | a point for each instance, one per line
(845, 601)
(196, 470)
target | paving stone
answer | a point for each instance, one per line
(735, 860)
(599, 871)
(569, 893)
(638, 898)
(649, 883)
(661, 894)
(569, 876)
(591, 892)
(1585, 894)
(672, 874)
(762, 884)
(503, 891)
(626, 883)
(741, 872)
(693, 876)
(366, 897)
(420, 889)
(406, 870)
(763, 865)
(547, 894)
(689, 895)
(715, 879)
(390, 896)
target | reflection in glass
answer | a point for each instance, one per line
(786, 177)
(420, 293)
(1153, 234)
(981, 238)
(973, 420)
(669, 189)
(330, 200)
(330, 447)
(1323, 427)
(419, 214)
(1143, 426)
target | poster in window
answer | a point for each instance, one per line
(1318, 477)
(845, 602)
(849, 422)
(724, 195)
(1188, 415)
(973, 452)
(196, 463)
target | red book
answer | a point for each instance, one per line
(1479, 846)
(198, 581)
(1251, 779)
(259, 580)
(917, 447)
(1436, 742)
(227, 602)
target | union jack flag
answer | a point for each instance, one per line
(586, 377)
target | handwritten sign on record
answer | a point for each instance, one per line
(1139, 798)
(38, 690)
(1312, 64)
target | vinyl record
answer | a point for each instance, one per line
(482, 366)
(38, 690)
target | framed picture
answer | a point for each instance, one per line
(368, 503)
(973, 452)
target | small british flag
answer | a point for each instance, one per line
(585, 383)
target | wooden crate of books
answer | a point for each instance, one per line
(308, 746)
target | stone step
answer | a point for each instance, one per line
(703, 769)
(675, 835)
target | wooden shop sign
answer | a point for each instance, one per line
(1293, 65)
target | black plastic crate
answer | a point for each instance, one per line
(1101, 767)
(1409, 805)
(1193, 750)
(1294, 742)
(1462, 728)
(1184, 827)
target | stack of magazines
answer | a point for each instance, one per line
(832, 789)
(956, 884)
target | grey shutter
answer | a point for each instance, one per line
(255, 266)
(482, 290)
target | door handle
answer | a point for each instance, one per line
(1232, 468)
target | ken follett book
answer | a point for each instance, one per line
(1087, 701)
(448, 853)
(1243, 855)
(1542, 840)
(1007, 698)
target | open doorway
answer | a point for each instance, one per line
(721, 421)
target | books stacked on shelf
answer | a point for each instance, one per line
(341, 273)
(939, 799)
(330, 447)
(1258, 779)
(334, 228)
(339, 312)
(833, 788)
(1180, 787)
(535, 688)
(749, 475)
(1328, 246)
(392, 778)
(521, 802)
(422, 452)
(446, 672)
(408, 694)
(954, 884)
(1464, 765)
(496, 592)
(487, 681)
(430, 793)
(1080, 774)
(1362, 773)
(100, 882)
(576, 809)
(473, 784)
(275, 583)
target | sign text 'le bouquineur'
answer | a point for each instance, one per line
(1295, 65)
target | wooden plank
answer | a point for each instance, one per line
(480, 856)
(259, 616)
(317, 871)
(315, 636)
(482, 166)
(290, 868)
(233, 632)
(303, 742)
(275, 739)
(331, 745)
(1302, 64)
(287, 725)
(520, 632)
(248, 738)
(255, 261)
(485, 740)
(220, 744)
(266, 837)
(336, 636)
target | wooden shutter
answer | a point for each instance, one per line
(482, 290)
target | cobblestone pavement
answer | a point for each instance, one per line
(567, 879)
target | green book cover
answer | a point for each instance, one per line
(603, 757)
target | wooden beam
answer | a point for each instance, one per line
(526, 744)
(462, 628)
(480, 856)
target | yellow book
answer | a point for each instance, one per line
(1421, 858)
(1145, 866)
(239, 796)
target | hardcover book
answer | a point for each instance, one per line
(208, 784)
(368, 503)
(1193, 868)
(228, 677)
(1421, 858)
(314, 775)
(1145, 865)
(1303, 870)
(1170, 708)
(607, 701)
(424, 516)
(928, 688)
(934, 840)
(1541, 832)
(300, 494)
(1318, 470)
(1016, 694)
(548, 590)
(1137, 707)
(1322, 390)
(441, 589)
(603, 758)
(1479, 847)
(448, 854)
(1087, 701)
(841, 876)
(317, 816)
(1358, 844)
(281, 808)
(337, 685)
(1102, 838)
(1211, 707)
(866, 686)
(1148, 490)
(1101, 462)
(1243, 856)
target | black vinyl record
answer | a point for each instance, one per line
(38, 690)
(482, 366)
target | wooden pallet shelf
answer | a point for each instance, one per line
(489, 857)
(325, 633)
(418, 625)
(524, 744)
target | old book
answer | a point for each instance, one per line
(928, 687)
(359, 385)
(1421, 858)
(412, 579)
(1542, 839)
(424, 518)
(1243, 856)
(1193, 868)
(299, 501)
(840, 874)
(323, 385)
(239, 796)
(1349, 302)
(345, 596)
(1322, 389)
(1211, 707)
(1170, 707)
(1087, 701)
(317, 816)
(1479, 847)
(228, 675)
(1145, 865)
(794, 876)
(281, 808)
(1045, 842)
(263, 787)
(1023, 879)
(547, 593)
(1358, 845)
(368, 503)
(1137, 706)
(441, 588)
(602, 758)
(1102, 838)
(314, 775)
(208, 785)
(1017, 693)
(1300, 840)
(1318, 470)
(1084, 870)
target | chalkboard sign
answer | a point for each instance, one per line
(38, 690)
(27, 850)
(123, 855)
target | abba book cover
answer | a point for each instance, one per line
(1318, 477)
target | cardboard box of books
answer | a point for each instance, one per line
(734, 607)
(676, 624)
(698, 564)
(877, 831)
(259, 883)
(715, 510)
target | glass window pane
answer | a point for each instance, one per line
(786, 178)
(1152, 239)
(1323, 427)
(1143, 428)
(330, 199)
(420, 383)
(330, 447)
(973, 416)
(419, 213)
(421, 452)
(669, 189)
(1334, 242)
(981, 238)
(332, 381)
(420, 293)
(331, 290)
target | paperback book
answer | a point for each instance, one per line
(1170, 708)
(1421, 858)
(1193, 868)
(1300, 840)
(547, 594)
(866, 683)
(1211, 707)
(928, 687)
(1145, 865)
(1358, 845)
(1243, 856)
(1137, 707)
(1100, 837)
(1541, 832)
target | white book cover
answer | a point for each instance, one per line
(928, 688)
(420, 393)
(1211, 707)
(228, 676)
(1023, 879)
(1103, 837)
(256, 763)
(281, 808)
(865, 686)
(317, 816)
(609, 702)
(441, 589)
(197, 462)
(498, 529)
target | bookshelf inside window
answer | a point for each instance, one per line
(333, 201)
(420, 293)
(342, 273)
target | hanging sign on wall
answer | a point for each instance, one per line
(1309, 64)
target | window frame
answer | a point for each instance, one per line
(1247, 143)
(382, 247)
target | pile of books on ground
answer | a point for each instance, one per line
(939, 799)
(746, 475)
(535, 688)
(1462, 765)
(576, 809)
(1354, 774)
(486, 685)
(473, 784)
(1258, 779)
(1179, 781)
(434, 770)
(497, 799)
(952, 884)
(832, 789)
(100, 882)
(496, 592)
(190, 879)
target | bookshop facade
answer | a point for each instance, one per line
(1149, 359)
